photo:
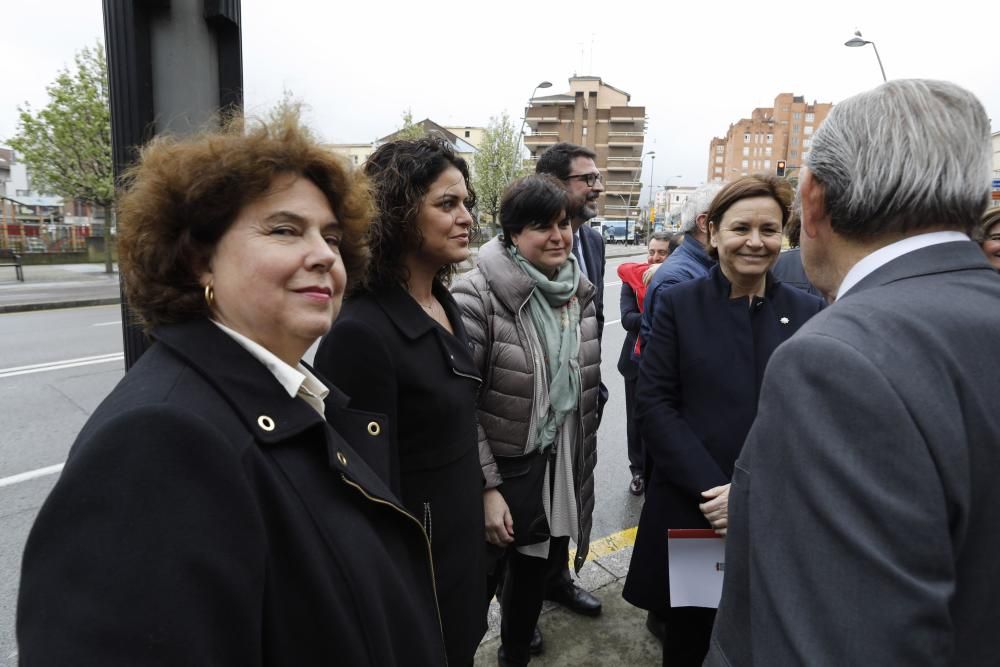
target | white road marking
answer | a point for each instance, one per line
(612, 284)
(611, 322)
(31, 474)
(107, 324)
(60, 365)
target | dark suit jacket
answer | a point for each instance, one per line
(699, 375)
(206, 517)
(789, 270)
(631, 319)
(592, 247)
(390, 357)
(864, 512)
(593, 250)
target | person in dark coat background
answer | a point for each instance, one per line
(699, 375)
(208, 513)
(630, 304)
(400, 348)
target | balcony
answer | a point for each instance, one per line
(542, 139)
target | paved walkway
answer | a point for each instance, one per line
(616, 638)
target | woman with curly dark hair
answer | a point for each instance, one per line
(215, 508)
(400, 349)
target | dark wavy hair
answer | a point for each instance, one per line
(401, 172)
(532, 201)
(757, 185)
(184, 194)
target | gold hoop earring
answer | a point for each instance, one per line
(209, 295)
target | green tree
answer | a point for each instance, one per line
(496, 164)
(66, 146)
(410, 130)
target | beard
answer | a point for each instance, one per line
(586, 208)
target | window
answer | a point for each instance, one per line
(806, 143)
(767, 164)
(809, 129)
(746, 138)
(355, 159)
(805, 155)
(767, 151)
(720, 149)
(746, 151)
(793, 153)
(718, 159)
(745, 164)
(795, 129)
(584, 131)
(794, 141)
(466, 134)
(718, 170)
(797, 115)
(770, 138)
(810, 117)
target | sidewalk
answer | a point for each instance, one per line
(50, 286)
(618, 637)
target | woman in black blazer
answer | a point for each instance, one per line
(400, 348)
(699, 375)
(208, 513)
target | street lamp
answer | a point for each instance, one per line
(631, 188)
(857, 40)
(520, 134)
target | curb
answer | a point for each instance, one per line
(55, 305)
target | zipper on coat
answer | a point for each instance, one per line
(538, 368)
(430, 555)
(428, 523)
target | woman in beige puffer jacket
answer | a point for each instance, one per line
(511, 355)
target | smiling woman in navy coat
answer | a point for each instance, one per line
(697, 393)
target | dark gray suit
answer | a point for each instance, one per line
(865, 507)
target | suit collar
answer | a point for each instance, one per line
(928, 260)
(886, 254)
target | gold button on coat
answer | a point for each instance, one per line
(374, 428)
(265, 423)
(342, 458)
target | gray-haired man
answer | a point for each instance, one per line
(864, 512)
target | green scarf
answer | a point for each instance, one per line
(555, 312)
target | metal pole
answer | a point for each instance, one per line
(879, 62)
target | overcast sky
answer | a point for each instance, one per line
(695, 66)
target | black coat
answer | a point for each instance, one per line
(631, 321)
(390, 357)
(206, 517)
(699, 376)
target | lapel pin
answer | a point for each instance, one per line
(784, 320)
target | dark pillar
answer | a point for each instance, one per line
(173, 65)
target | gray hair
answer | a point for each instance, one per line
(910, 155)
(696, 204)
(661, 236)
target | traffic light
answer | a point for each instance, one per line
(781, 168)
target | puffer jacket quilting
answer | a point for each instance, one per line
(493, 298)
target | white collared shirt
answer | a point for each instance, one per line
(297, 381)
(883, 256)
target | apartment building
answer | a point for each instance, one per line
(597, 115)
(771, 134)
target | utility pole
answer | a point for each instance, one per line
(173, 65)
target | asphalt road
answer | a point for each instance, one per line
(56, 366)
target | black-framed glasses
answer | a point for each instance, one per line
(589, 179)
